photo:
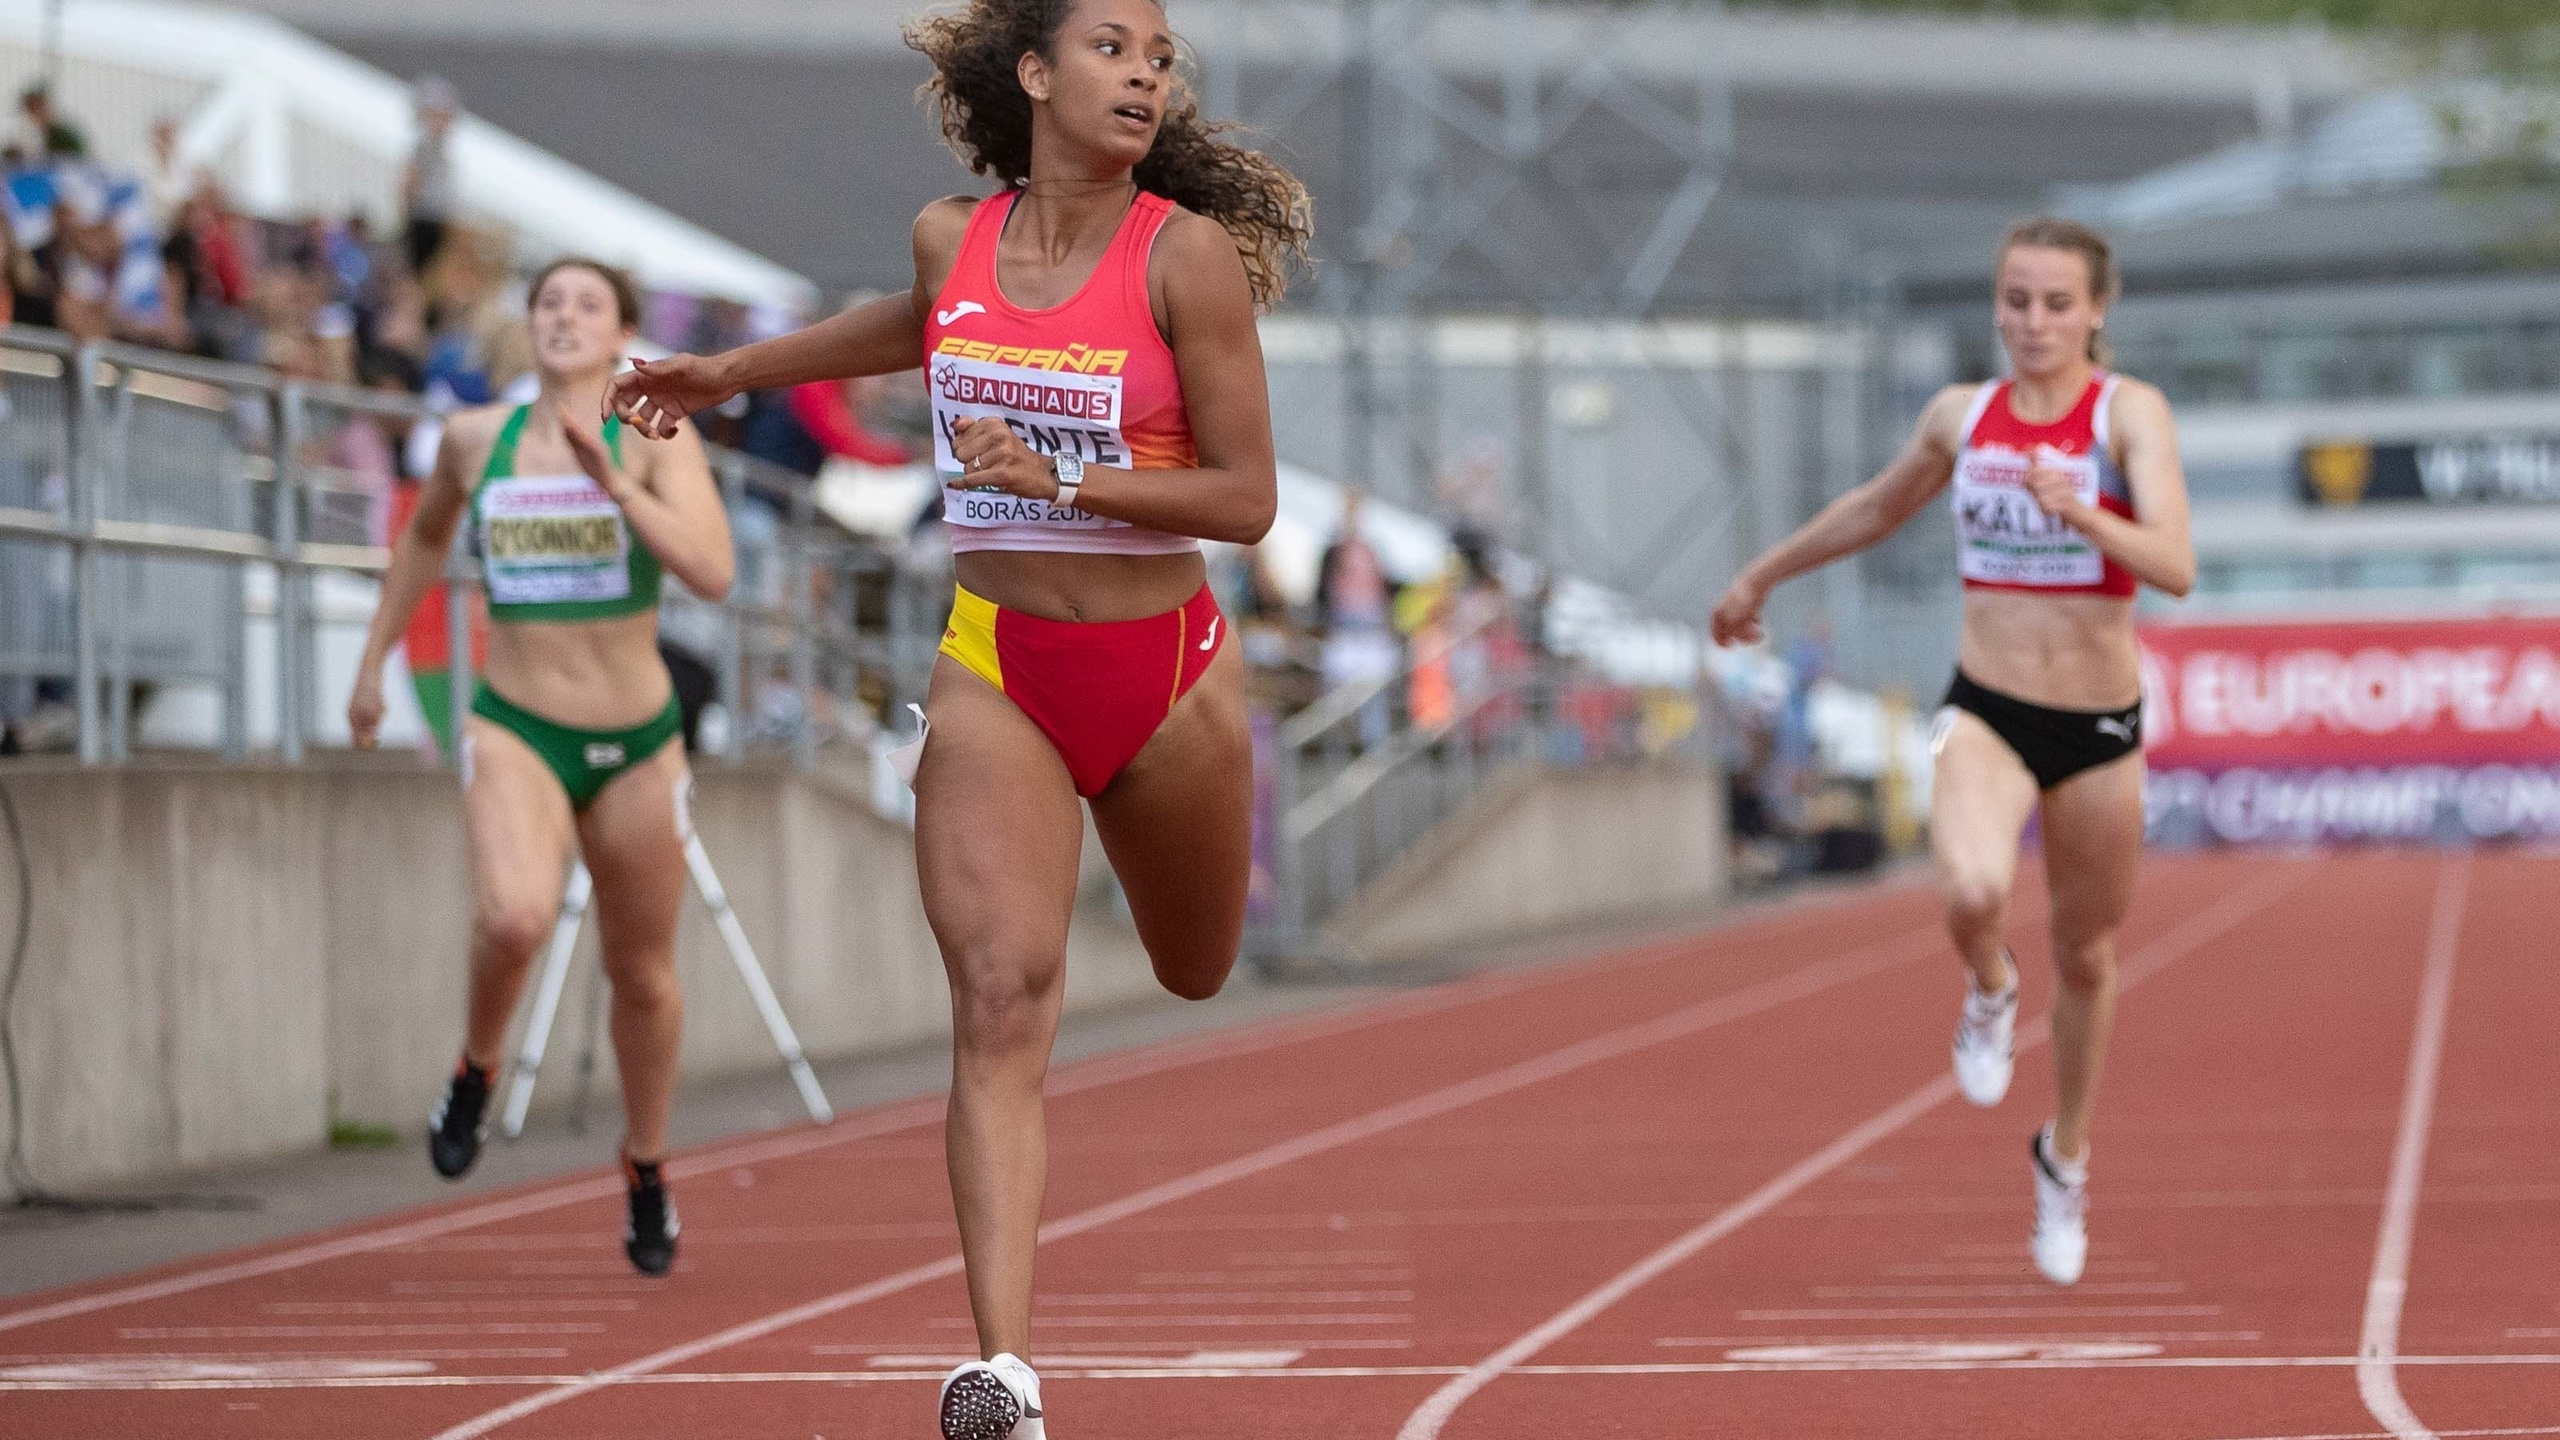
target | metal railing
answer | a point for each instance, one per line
(170, 521)
(1363, 774)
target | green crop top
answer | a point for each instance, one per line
(555, 547)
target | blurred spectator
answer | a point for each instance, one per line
(476, 342)
(10, 261)
(112, 280)
(429, 194)
(209, 276)
(826, 410)
(48, 134)
(1355, 600)
(34, 247)
(170, 181)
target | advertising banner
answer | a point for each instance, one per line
(2304, 732)
(2475, 470)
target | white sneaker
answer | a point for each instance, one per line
(995, 1399)
(2061, 1241)
(1986, 1041)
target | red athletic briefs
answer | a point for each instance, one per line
(1097, 691)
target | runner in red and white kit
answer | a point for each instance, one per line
(2067, 495)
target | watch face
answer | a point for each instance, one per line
(1070, 469)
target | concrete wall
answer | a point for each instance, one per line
(1545, 848)
(222, 958)
(219, 956)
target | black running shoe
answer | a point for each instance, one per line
(650, 1236)
(459, 1122)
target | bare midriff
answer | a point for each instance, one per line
(2068, 652)
(588, 674)
(1055, 585)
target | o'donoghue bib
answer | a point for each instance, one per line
(556, 547)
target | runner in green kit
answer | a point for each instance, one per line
(573, 721)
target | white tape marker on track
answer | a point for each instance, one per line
(2376, 1381)
(1426, 1421)
(1678, 1024)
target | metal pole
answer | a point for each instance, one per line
(235, 666)
(51, 61)
(457, 631)
(800, 574)
(1530, 454)
(110, 463)
(83, 478)
(546, 999)
(292, 708)
(732, 676)
(743, 955)
(240, 514)
(1288, 871)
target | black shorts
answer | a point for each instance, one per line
(2056, 744)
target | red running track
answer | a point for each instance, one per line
(1712, 1187)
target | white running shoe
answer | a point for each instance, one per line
(2061, 1242)
(995, 1399)
(1986, 1040)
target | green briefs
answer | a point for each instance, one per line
(585, 760)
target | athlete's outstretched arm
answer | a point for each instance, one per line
(417, 564)
(1235, 492)
(669, 501)
(877, 337)
(1854, 521)
(2155, 545)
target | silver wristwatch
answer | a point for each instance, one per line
(1069, 468)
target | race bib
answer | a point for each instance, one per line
(1053, 412)
(550, 539)
(2005, 538)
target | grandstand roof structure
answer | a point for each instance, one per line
(1848, 141)
(293, 127)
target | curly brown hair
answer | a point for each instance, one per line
(986, 119)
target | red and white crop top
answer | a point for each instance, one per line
(1092, 375)
(2005, 541)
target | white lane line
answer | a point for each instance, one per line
(2376, 1380)
(356, 1332)
(2444, 1434)
(1196, 1360)
(1156, 1298)
(1992, 1292)
(1093, 1074)
(1995, 1312)
(308, 1308)
(1177, 1322)
(1972, 1337)
(1426, 1420)
(1184, 1370)
(1078, 1351)
(2440, 1433)
(261, 1357)
(1993, 1269)
(1678, 1024)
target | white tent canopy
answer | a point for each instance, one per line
(293, 128)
